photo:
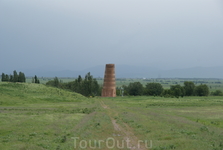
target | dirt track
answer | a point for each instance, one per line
(124, 132)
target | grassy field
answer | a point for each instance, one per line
(37, 117)
(187, 123)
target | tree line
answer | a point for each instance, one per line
(87, 86)
(15, 77)
(156, 89)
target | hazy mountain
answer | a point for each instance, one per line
(127, 71)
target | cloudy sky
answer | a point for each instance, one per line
(79, 34)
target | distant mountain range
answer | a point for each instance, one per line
(127, 71)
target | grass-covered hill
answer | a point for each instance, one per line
(34, 116)
(25, 93)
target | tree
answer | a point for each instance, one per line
(56, 82)
(36, 80)
(154, 89)
(177, 90)
(79, 79)
(7, 78)
(15, 76)
(95, 89)
(202, 90)
(135, 88)
(87, 86)
(189, 88)
(11, 78)
(21, 77)
(3, 77)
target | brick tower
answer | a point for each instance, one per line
(109, 89)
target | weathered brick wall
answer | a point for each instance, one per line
(109, 87)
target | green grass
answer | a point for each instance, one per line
(34, 116)
(37, 117)
(186, 123)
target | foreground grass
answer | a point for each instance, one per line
(37, 117)
(34, 116)
(186, 123)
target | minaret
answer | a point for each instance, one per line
(109, 88)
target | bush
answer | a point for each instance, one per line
(217, 93)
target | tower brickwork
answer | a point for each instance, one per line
(109, 87)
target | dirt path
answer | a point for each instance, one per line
(126, 133)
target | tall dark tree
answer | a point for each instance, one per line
(3, 77)
(154, 89)
(15, 76)
(79, 79)
(7, 78)
(21, 77)
(36, 80)
(189, 88)
(95, 88)
(11, 78)
(87, 85)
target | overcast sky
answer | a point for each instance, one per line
(79, 34)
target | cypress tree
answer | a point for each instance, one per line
(20, 77)
(7, 78)
(15, 76)
(11, 78)
(36, 80)
(23, 77)
(3, 77)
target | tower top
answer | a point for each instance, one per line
(110, 65)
